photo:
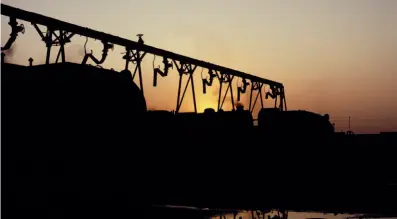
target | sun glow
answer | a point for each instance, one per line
(206, 103)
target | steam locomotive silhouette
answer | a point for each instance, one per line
(92, 97)
(80, 86)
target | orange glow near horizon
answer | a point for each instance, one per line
(334, 56)
(207, 104)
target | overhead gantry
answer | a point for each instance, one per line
(58, 33)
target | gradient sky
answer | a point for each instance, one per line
(333, 56)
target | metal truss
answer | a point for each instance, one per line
(223, 78)
(59, 33)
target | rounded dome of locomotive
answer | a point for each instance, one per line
(73, 92)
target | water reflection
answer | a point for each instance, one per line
(184, 212)
(291, 215)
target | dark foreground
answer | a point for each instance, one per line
(76, 143)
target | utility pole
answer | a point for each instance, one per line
(349, 123)
(349, 132)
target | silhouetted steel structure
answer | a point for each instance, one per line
(59, 33)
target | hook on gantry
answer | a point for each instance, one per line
(273, 94)
(158, 71)
(206, 81)
(106, 47)
(15, 29)
(241, 89)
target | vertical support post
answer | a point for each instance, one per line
(225, 78)
(138, 64)
(252, 89)
(48, 42)
(260, 93)
(184, 92)
(62, 43)
(127, 57)
(179, 93)
(349, 123)
(228, 80)
(231, 93)
(220, 92)
(136, 58)
(187, 69)
(258, 87)
(280, 92)
(285, 101)
(193, 92)
(61, 51)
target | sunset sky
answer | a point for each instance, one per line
(333, 56)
